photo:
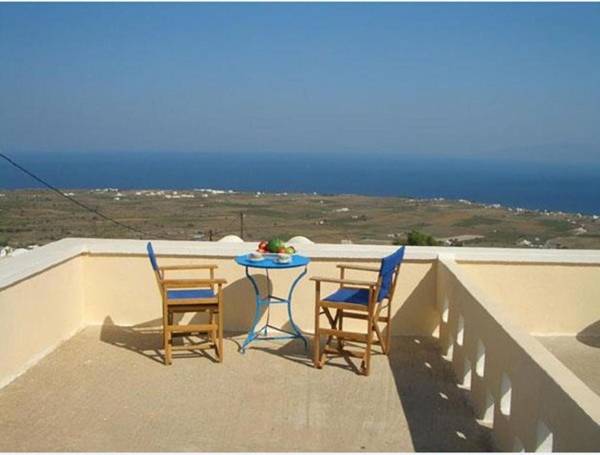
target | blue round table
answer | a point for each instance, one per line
(269, 263)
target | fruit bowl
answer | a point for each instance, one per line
(275, 246)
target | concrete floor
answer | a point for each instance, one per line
(580, 354)
(107, 390)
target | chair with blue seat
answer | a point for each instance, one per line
(357, 299)
(189, 295)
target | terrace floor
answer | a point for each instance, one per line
(580, 354)
(106, 389)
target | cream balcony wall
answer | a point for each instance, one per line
(520, 387)
(545, 298)
(122, 289)
(40, 311)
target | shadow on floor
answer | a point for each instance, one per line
(590, 336)
(437, 410)
(146, 339)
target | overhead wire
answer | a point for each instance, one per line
(70, 198)
(228, 228)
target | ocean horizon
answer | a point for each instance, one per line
(530, 185)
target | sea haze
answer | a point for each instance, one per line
(569, 188)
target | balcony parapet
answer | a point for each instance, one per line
(15, 269)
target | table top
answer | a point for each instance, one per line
(269, 262)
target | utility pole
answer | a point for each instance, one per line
(242, 225)
(210, 235)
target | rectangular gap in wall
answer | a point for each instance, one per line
(460, 334)
(488, 410)
(480, 359)
(505, 395)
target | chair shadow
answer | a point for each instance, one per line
(344, 361)
(294, 350)
(437, 410)
(590, 336)
(145, 338)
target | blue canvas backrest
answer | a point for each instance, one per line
(386, 272)
(152, 257)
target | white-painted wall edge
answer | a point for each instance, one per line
(18, 268)
(15, 269)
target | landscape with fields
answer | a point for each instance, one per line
(36, 217)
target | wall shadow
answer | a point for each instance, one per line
(437, 410)
(590, 336)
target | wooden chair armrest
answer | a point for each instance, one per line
(191, 283)
(189, 267)
(344, 281)
(365, 268)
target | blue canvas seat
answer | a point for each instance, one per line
(189, 295)
(357, 299)
(349, 295)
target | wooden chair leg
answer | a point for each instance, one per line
(220, 330)
(166, 337)
(340, 318)
(165, 343)
(213, 333)
(169, 352)
(332, 322)
(367, 359)
(317, 337)
(379, 332)
(388, 328)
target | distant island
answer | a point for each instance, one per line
(36, 217)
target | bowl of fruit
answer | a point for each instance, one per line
(278, 249)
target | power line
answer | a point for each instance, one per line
(229, 227)
(72, 199)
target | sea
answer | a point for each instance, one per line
(563, 187)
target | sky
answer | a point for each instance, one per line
(489, 80)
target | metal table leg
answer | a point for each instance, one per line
(262, 333)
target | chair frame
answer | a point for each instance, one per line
(213, 305)
(371, 313)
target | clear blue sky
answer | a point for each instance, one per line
(454, 79)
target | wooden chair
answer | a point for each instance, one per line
(357, 299)
(190, 295)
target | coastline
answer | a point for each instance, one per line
(538, 186)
